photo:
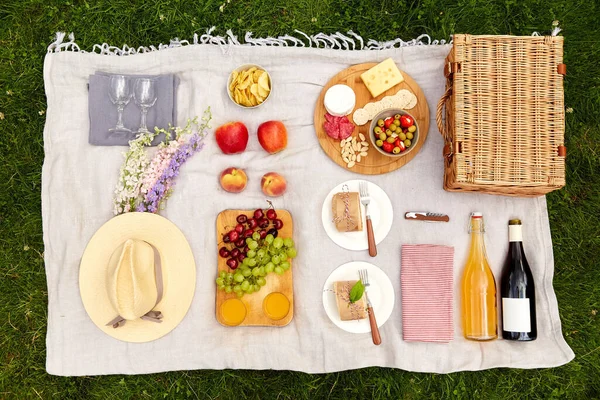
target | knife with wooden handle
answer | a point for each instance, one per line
(426, 216)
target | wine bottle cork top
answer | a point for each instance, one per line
(514, 222)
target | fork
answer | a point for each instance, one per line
(363, 187)
(364, 278)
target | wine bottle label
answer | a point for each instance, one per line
(515, 315)
(515, 234)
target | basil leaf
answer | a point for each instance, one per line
(357, 292)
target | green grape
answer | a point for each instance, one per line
(261, 271)
(256, 288)
(291, 253)
(237, 288)
(266, 259)
(255, 271)
(252, 262)
(279, 270)
(275, 260)
(246, 272)
(269, 267)
(222, 287)
(256, 236)
(285, 265)
(278, 242)
(228, 289)
(288, 242)
(269, 238)
(250, 254)
(248, 240)
(252, 245)
(223, 274)
(246, 261)
(283, 256)
(239, 294)
(261, 281)
(250, 289)
(229, 278)
(238, 277)
(220, 281)
(245, 285)
(261, 253)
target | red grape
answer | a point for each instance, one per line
(240, 242)
(233, 236)
(223, 252)
(273, 232)
(241, 219)
(258, 213)
(248, 233)
(278, 224)
(252, 223)
(232, 263)
(239, 228)
(271, 214)
(235, 252)
(263, 233)
(263, 223)
(241, 257)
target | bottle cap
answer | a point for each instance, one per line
(476, 215)
(514, 222)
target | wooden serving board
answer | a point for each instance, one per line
(375, 163)
(255, 316)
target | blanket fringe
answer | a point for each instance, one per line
(335, 41)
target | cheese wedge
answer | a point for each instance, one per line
(382, 77)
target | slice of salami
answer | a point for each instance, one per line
(332, 129)
(346, 129)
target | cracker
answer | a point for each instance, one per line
(360, 117)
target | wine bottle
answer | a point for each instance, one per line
(517, 290)
(479, 311)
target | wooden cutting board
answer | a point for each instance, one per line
(375, 163)
(255, 316)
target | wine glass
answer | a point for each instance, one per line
(120, 94)
(145, 97)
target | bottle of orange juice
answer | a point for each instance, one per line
(480, 318)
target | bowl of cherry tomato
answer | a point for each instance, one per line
(394, 132)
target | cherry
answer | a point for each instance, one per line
(241, 219)
(278, 224)
(263, 223)
(235, 252)
(258, 213)
(263, 233)
(223, 252)
(246, 249)
(233, 236)
(271, 214)
(239, 228)
(248, 233)
(232, 263)
(273, 232)
(226, 238)
(240, 242)
(241, 257)
(252, 223)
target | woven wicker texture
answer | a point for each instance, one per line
(504, 125)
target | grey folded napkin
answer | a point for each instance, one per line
(104, 115)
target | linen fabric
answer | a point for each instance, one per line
(77, 188)
(427, 290)
(103, 113)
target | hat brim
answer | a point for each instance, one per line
(178, 270)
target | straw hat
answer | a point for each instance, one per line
(137, 277)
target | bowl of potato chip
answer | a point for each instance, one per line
(249, 86)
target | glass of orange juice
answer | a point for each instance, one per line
(233, 312)
(276, 306)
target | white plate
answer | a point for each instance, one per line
(381, 295)
(380, 209)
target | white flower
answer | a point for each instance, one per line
(313, 19)
(9, 92)
(41, 112)
(569, 110)
(555, 22)
(222, 7)
(161, 17)
(1, 116)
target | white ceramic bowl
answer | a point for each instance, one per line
(243, 68)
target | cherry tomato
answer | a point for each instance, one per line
(406, 121)
(401, 145)
(388, 121)
(387, 147)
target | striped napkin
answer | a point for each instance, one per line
(427, 293)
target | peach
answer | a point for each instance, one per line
(233, 180)
(232, 137)
(273, 184)
(272, 136)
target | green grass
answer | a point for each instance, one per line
(26, 28)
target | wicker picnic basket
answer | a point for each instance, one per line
(504, 115)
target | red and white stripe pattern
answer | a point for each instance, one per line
(427, 293)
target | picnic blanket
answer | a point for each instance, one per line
(78, 180)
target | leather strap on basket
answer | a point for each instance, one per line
(439, 119)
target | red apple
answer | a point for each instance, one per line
(233, 180)
(273, 184)
(272, 136)
(232, 137)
